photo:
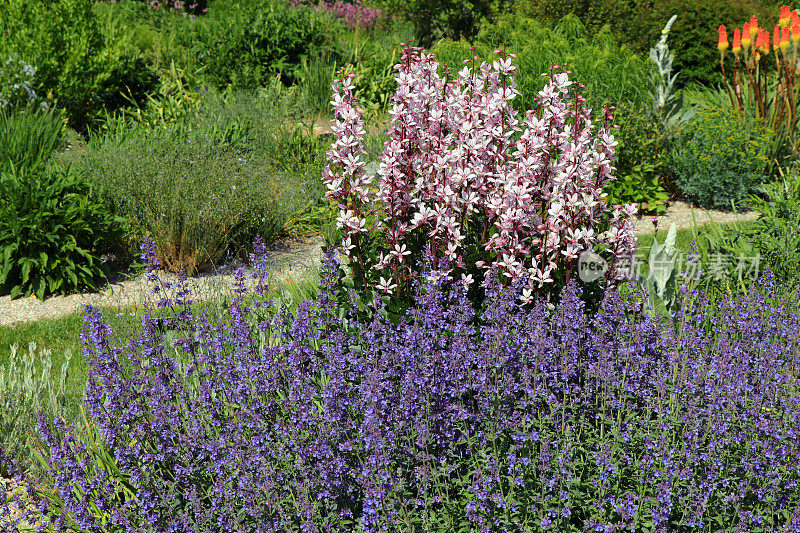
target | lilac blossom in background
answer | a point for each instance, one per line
(527, 420)
(460, 170)
(355, 14)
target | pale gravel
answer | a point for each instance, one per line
(289, 259)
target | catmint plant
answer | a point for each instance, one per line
(464, 179)
(531, 420)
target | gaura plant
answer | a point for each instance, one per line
(754, 85)
(463, 180)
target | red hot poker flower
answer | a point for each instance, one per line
(785, 38)
(746, 39)
(723, 39)
(737, 41)
(785, 17)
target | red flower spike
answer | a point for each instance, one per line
(737, 41)
(762, 41)
(753, 27)
(746, 38)
(796, 33)
(785, 16)
(795, 18)
(723, 39)
(776, 37)
(786, 37)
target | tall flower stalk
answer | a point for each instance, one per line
(754, 84)
(464, 181)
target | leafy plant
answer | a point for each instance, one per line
(773, 238)
(719, 158)
(53, 229)
(661, 280)
(642, 160)
(29, 137)
(668, 104)
(76, 64)
(245, 45)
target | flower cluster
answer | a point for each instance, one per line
(16, 84)
(461, 174)
(534, 420)
(754, 85)
(355, 15)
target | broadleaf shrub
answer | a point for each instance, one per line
(53, 230)
(533, 420)
(76, 64)
(719, 158)
(245, 45)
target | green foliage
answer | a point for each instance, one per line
(774, 237)
(642, 161)
(29, 137)
(612, 73)
(639, 23)
(53, 229)
(719, 157)
(26, 387)
(244, 45)
(236, 168)
(438, 19)
(84, 70)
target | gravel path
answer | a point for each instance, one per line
(288, 259)
(681, 214)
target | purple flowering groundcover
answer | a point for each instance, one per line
(522, 419)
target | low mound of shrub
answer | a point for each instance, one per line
(208, 184)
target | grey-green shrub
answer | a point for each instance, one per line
(719, 157)
(237, 168)
(28, 384)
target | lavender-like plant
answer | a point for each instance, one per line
(527, 420)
